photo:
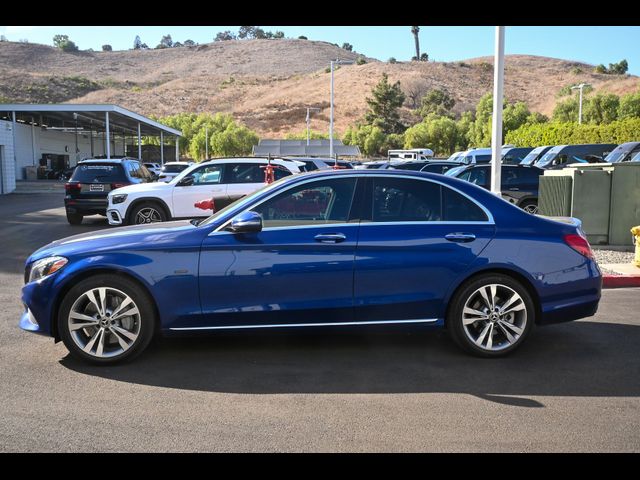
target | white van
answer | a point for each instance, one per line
(411, 155)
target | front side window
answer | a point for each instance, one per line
(326, 201)
(207, 175)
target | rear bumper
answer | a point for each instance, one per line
(575, 307)
(86, 206)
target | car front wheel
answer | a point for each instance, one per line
(106, 319)
(147, 213)
(491, 315)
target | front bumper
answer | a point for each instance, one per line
(115, 217)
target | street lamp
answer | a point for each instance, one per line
(309, 120)
(580, 87)
(339, 62)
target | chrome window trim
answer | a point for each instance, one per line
(323, 324)
(490, 218)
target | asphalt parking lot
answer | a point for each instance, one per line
(572, 387)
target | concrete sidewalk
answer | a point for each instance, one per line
(39, 186)
(624, 275)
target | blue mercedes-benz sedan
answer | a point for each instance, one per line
(327, 248)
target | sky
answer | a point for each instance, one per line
(590, 44)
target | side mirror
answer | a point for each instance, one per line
(247, 222)
(186, 181)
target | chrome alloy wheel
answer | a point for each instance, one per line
(104, 322)
(494, 317)
(148, 215)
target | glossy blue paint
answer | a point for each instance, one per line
(201, 276)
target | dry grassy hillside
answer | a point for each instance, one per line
(268, 83)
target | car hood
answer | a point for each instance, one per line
(141, 187)
(132, 237)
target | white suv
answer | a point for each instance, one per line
(225, 180)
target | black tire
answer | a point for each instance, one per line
(530, 206)
(74, 218)
(158, 215)
(146, 318)
(466, 293)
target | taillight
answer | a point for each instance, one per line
(579, 244)
(118, 185)
(70, 187)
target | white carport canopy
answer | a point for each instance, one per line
(109, 119)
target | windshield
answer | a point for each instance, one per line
(174, 168)
(531, 157)
(547, 158)
(617, 156)
(636, 157)
(99, 173)
(454, 171)
(241, 201)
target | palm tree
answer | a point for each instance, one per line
(415, 31)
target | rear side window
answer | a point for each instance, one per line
(405, 200)
(173, 168)
(458, 208)
(99, 173)
(244, 173)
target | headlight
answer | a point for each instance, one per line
(45, 267)
(118, 198)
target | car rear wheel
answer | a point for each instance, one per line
(147, 213)
(106, 319)
(491, 315)
(74, 218)
(530, 206)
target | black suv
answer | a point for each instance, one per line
(93, 179)
(519, 183)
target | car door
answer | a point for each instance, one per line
(206, 184)
(297, 270)
(417, 237)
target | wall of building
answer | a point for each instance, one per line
(7, 164)
(33, 142)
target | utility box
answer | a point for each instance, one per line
(554, 195)
(31, 173)
(584, 193)
(625, 202)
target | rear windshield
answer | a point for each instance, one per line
(173, 168)
(98, 173)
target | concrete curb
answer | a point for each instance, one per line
(620, 281)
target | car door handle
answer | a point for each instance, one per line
(330, 237)
(514, 189)
(460, 237)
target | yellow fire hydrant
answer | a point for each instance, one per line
(635, 231)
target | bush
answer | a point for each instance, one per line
(302, 37)
(392, 60)
(629, 106)
(562, 133)
(600, 69)
(347, 46)
(107, 48)
(361, 61)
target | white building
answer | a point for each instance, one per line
(50, 138)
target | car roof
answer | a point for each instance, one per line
(115, 161)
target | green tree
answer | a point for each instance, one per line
(601, 69)
(279, 34)
(566, 111)
(64, 44)
(436, 102)
(224, 36)
(437, 133)
(619, 68)
(601, 108)
(107, 48)
(247, 32)
(514, 115)
(189, 43)
(392, 60)
(233, 140)
(137, 43)
(347, 46)
(629, 106)
(383, 107)
(369, 138)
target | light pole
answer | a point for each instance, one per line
(580, 87)
(339, 62)
(496, 127)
